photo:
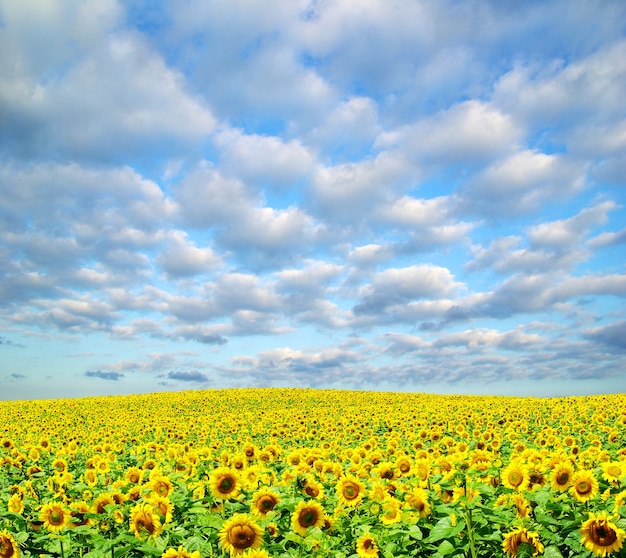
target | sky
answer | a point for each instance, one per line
(390, 195)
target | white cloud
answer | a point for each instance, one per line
(181, 258)
(350, 191)
(520, 183)
(470, 132)
(267, 160)
(400, 286)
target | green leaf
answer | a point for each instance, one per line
(415, 532)
(525, 550)
(552, 552)
(442, 530)
(445, 548)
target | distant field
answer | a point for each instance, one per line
(294, 473)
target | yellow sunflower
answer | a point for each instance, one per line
(366, 546)
(239, 533)
(391, 510)
(134, 475)
(55, 517)
(515, 476)
(161, 486)
(584, 485)
(600, 535)
(518, 536)
(256, 553)
(613, 471)
(307, 514)
(350, 490)
(15, 504)
(403, 465)
(418, 500)
(224, 483)
(105, 499)
(180, 553)
(264, 501)
(144, 521)
(313, 488)
(8, 546)
(561, 477)
(78, 510)
(163, 507)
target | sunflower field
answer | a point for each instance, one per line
(258, 473)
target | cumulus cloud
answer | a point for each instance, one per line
(336, 194)
(191, 376)
(104, 375)
(400, 286)
(612, 335)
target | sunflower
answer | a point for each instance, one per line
(366, 546)
(561, 477)
(515, 476)
(180, 553)
(613, 471)
(601, 536)
(307, 514)
(77, 514)
(134, 475)
(224, 483)
(163, 507)
(100, 503)
(8, 546)
(143, 520)
(521, 504)
(161, 486)
(350, 490)
(403, 465)
(240, 533)
(392, 510)
(91, 477)
(418, 500)
(264, 501)
(313, 488)
(55, 517)
(256, 553)
(15, 504)
(584, 485)
(518, 536)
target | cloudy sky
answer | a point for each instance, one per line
(376, 194)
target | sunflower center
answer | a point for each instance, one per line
(516, 478)
(583, 487)
(603, 535)
(162, 490)
(350, 491)
(145, 524)
(6, 548)
(312, 491)
(562, 478)
(267, 504)
(614, 471)
(308, 517)
(241, 537)
(226, 485)
(56, 517)
(368, 544)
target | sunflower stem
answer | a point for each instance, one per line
(470, 533)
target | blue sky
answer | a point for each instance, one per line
(408, 195)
